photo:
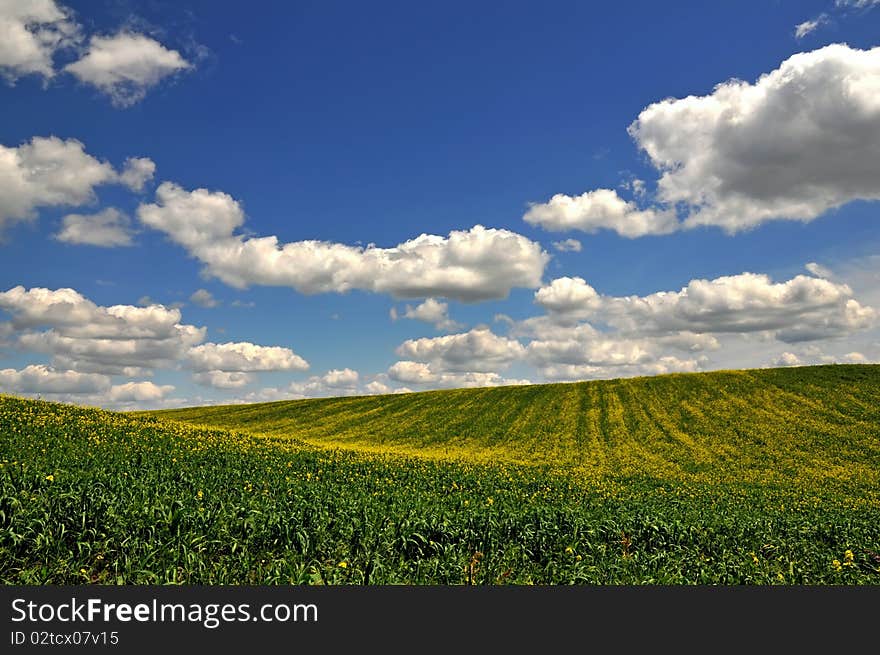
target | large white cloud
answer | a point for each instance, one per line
(799, 309)
(30, 33)
(469, 265)
(377, 388)
(468, 359)
(131, 341)
(479, 350)
(563, 352)
(799, 141)
(113, 356)
(83, 336)
(412, 372)
(126, 65)
(341, 378)
(53, 172)
(138, 392)
(40, 379)
(78, 316)
(600, 209)
(672, 331)
(244, 357)
(73, 386)
(568, 299)
(108, 229)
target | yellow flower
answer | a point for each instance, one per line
(848, 556)
(836, 564)
(569, 550)
(343, 565)
(50, 478)
(200, 494)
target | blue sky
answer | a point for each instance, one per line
(333, 126)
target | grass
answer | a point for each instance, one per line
(736, 477)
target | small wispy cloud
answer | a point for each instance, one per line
(567, 245)
(809, 26)
(203, 298)
(858, 4)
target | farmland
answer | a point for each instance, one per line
(736, 477)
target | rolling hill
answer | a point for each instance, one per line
(822, 421)
(735, 477)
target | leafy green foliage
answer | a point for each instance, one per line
(754, 477)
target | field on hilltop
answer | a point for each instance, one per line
(734, 477)
(757, 425)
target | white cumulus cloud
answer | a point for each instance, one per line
(40, 379)
(83, 336)
(377, 388)
(787, 359)
(138, 392)
(244, 357)
(31, 31)
(136, 172)
(108, 229)
(468, 265)
(797, 142)
(430, 311)
(203, 298)
(126, 65)
(336, 382)
(411, 372)
(800, 309)
(223, 379)
(568, 299)
(341, 378)
(54, 172)
(479, 350)
(600, 209)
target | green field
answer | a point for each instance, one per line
(736, 477)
